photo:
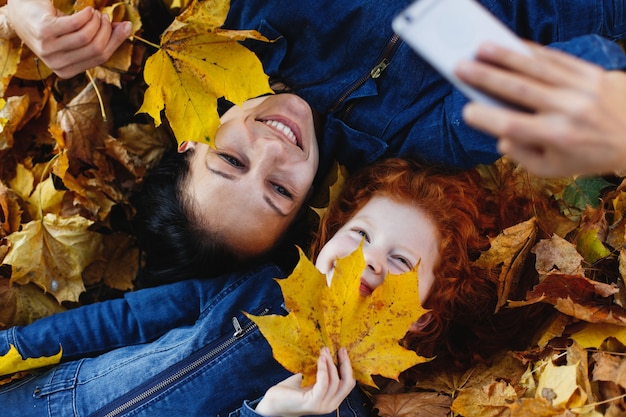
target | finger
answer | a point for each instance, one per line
(322, 382)
(509, 86)
(61, 24)
(548, 65)
(85, 35)
(121, 32)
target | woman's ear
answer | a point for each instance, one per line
(185, 146)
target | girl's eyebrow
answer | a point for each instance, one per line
(265, 197)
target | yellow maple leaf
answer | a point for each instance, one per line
(52, 253)
(337, 316)
(13, 362)
(197, 63)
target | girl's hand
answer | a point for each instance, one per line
(576, 119)
(68, 45)
(332, 386)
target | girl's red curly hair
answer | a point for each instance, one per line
(461, 293)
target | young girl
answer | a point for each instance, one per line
(187, 349)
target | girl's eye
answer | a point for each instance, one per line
(363, 234)
(405, 262)
(282, 191)
(231, 160)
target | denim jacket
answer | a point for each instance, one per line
(380, 97)
(184, 349)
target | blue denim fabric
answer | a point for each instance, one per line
(409, 109)
(147, 338)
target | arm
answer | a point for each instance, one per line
(576, 123)
(139, 317)
(70, 44)
(289, 399)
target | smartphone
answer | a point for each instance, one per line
(444, 32)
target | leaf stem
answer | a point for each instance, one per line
(100, 102)
(608, 400)
(147, 42)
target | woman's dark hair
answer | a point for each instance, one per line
(174, 246)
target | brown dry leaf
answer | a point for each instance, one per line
(9, 58)
(10, 211)
(30, 67)
(84, 128)
(52, 253)
(578, 297)
(610, 368)
(337, 316)
(488, 401)
(13, 111)
(413, 404)
(557, 254)
(23, 304)
(119, 264)
(198, 63)
(145, 142)
(535, 407)
(509, 250)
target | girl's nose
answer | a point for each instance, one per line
(374, 260)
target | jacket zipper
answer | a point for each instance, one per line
(375, 72)
(182, 369)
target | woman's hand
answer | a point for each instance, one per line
(576, 119)
(332, 386)
(67, 44)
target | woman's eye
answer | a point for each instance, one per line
(282, 191)
(231, 160)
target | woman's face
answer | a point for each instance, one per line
(396, 236)
(252, 185)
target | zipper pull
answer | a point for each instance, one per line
(378, 69)
(238, 328)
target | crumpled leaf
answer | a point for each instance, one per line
(509, 250)
(9, 59)
(413, 404)
(22, 304)
(337, 316)
(557, 254)
(118, 265)
(52, 253)
(198, 63)
(578, 297)
(488, 401)
(13, 111)
(13, 362)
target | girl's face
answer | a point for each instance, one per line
(252, 185)
(396, 236)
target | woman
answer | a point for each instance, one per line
(187, 348)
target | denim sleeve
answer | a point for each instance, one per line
(247, 409)
(139, 317)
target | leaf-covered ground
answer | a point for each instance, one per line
(73, 151)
